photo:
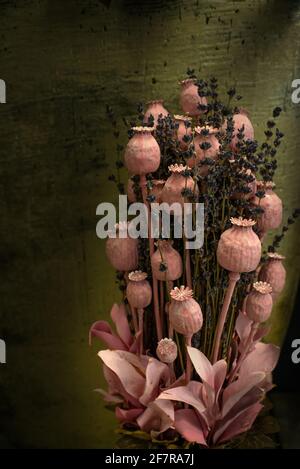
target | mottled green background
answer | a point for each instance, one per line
(63, 61)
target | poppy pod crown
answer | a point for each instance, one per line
(239, 248)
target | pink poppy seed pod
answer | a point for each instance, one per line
(185, 313)
(138, 291)
(274, 273)
(204, 136)
(142, 153)
(240, 120)
(176, 183)
(259, 302)
(271, 218)
(183, 129)
(190, 99)
(122, 251)
(156, 109)
(166, 262)
(166, 350)
(239, 248)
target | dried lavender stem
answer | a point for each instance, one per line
(233, 278)
(143, 184)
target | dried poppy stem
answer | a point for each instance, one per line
(161, 301)
(188, 341)
(143, 184)
(188, 271)
(141, 328)
(134, 319)
(233, 278)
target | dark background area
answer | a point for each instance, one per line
(63, 62)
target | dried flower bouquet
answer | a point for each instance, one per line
(186, 359)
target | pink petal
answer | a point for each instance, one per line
(131, 379)
(128, 415)
(102, 330)
(189, 426)
(183, 394)
(111, 398)
(202, 365)
(236, 390)
(156, 373)
(136, 343)
(241, 423)
(119, 316)
(264, 358)
(261, 332)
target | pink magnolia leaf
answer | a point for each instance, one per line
(220, 371)
(241, 423)
(102, 330)
(157, 418)
(264, 358)
(128, 415)
(183, 394)
(135, 346)
(115, 387)
(135, 360)
(202, 365)
(189, 426)
(243, 326)
(156, 373)
(131, 379)
(119, 316)
(256, 394)
(111, 398)
(236, 390)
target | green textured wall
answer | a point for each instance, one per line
(63, 61)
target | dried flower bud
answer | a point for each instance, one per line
(184, 130)
(274, 273)
(206, 146)
(239, 248)
(271, 204)
(122, 251)
(184, 312)
(259, 302)
(190, 100)
(138, 291)
(142, 154)
(166, 350)
(167, 256)
(156, 109)
(176, 183)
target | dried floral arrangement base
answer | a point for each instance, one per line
(186, 363)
